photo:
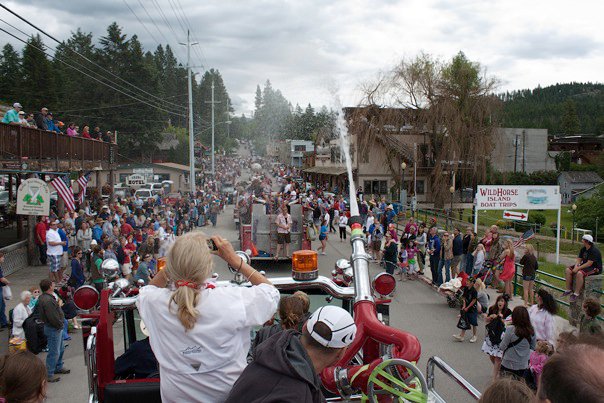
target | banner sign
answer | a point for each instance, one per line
(33, 197)
(518, 197)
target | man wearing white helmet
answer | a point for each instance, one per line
(589, 262)
(287, 365)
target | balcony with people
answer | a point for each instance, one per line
(39, 142)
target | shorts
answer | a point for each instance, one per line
(322, 237)
(590, 271)
(472, 318)
(377, 245)
(528, 278)
(283, 238)
(126, 269)
(54, 263)
(64, 260)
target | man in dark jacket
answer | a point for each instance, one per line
(52, 315)
(286, 367)
(457, 252)
(40, 119)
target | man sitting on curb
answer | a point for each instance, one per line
(589, 262)
(287, 365)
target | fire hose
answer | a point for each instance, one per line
(394, 375)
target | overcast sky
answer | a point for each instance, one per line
(306, 47)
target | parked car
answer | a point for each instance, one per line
(145, 194)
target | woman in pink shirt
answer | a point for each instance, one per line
(71, 131)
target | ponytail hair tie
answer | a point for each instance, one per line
(190, 284)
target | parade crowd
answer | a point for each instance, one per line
(210, 356)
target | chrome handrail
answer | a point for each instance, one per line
(282, 284)
(447, 369)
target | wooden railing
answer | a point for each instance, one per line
(19, 142)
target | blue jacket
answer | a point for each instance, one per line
(435, 245)
(64, 238)
(97, 233)
(50, 125)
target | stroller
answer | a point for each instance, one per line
(453, 290)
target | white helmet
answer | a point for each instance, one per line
(338, 321)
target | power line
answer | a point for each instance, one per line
(113, 106)
(82, 56)
(201, 58)
(92, 77)
(141, 22)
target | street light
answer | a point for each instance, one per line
(574, 207)
(403, 190)
(452, 191)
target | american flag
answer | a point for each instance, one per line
(62, 184)
(83, 183)
(530, 234)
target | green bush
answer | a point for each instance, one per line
(537, 218)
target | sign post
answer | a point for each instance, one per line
(504, 197)
(33, 197)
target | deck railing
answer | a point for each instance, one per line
(19, 142)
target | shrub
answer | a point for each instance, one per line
(537, 218)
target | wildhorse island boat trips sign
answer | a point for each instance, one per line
(518, 197)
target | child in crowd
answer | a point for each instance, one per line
(589, 319)
(529, 268)
(412, 255)
(470, 310)
(403, 259)
(539, 357)
(565, 339)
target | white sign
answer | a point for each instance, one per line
(515, 215)
(33, 197)
(135, 180)
(518, 197)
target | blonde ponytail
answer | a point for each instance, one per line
(189, 261)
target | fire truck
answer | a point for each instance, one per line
(378, 366)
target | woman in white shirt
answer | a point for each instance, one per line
(343, 222)
(542, 316)
(201, 336)
(84, 236)
(20, 313)
(479, 258)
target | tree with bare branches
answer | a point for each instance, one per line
(452, 103)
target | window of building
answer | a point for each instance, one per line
(375, 187)
(124, 177)
(299, 147)
(421, 187)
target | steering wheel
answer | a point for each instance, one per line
(412, 389)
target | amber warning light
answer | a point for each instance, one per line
(305, 265)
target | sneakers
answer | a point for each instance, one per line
(323, 253)
(573, 297)
(53, 379)
(62, 371)
(566, 293)
(473, 339)
(458, 337)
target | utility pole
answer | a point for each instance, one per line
(191, 134)
(213, 102)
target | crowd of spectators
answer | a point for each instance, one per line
(44, 120)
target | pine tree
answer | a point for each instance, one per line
(10, 75)
(258, 99)
(570, 120)
(38, 86)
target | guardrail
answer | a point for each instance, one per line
(447, 369)
(518, 284)
(18, 142)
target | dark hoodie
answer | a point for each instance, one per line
(281, 372)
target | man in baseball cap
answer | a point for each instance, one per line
(589, 262)
(286, 366)
(12, 115)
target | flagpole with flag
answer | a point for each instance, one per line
(83, 184)
(62, 185)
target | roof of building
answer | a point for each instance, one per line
(589, 190)
(581, 177)
(168, 165)
(336, 171)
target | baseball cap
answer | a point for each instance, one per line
(17, 105)
(338, 321)
(588, 238)
(56, 222)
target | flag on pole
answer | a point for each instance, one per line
(528, 235)
(62, 185)
(83, 184)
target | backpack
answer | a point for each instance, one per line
(495, 330)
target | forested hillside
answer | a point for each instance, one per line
(562, 108)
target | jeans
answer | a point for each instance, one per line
(446, 263)
(3, 320)
(434, 260)
(42, 250)
(65, 329)
(54, 358)
(469, 263)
